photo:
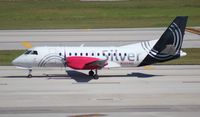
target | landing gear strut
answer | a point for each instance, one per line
(95, 76)
(29, 73)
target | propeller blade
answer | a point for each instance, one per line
(65, 60)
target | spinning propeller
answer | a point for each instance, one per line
(65, 60)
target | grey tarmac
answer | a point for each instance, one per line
(12, 39)
(159, 90)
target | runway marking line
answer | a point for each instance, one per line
(148, 67)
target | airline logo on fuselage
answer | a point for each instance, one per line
(114, 55)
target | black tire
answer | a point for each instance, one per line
(96, 77)
(29, 76)
(91, 73)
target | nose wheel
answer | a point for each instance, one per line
(94, 75)
(29, 73)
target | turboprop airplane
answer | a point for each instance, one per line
(168, 47)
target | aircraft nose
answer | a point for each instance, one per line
(17, 61)
(14, 62)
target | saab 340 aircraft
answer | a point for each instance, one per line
(168, 47)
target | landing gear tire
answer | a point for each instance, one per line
(91, 73)
(29, 76)
(96, 77)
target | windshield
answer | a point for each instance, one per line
(32, 52)
(27, 52)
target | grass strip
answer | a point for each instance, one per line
(192, 58)
(6, 56)
(62, 14)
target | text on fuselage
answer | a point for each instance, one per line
(114, 55)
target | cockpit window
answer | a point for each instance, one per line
(27, 52)
(34, 52)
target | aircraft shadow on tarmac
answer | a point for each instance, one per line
(82, 77)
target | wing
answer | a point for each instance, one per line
(77, 62)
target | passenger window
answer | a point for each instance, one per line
(70, 54)
(86, 54)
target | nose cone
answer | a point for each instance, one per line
(19, 61)
(22, 61)
(16, 62)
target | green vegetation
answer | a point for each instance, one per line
(193, 57)
(51, 14)
(6, 56)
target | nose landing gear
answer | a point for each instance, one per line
(29, 73)
(94, 75)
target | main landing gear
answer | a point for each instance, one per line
(29, 73)
(91, 73)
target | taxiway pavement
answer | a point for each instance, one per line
(12, 39)
(161, 91)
